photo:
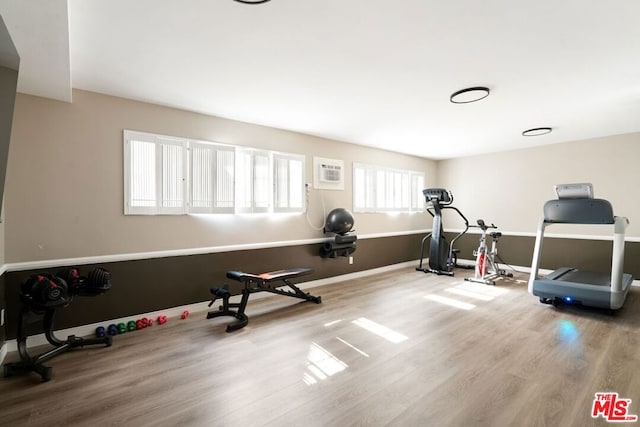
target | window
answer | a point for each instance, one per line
(288, 178)
(212, 170)
(364, 188)
(167, 175)
(378, 189)
(417, 198)
(155, 169)
(252, 181)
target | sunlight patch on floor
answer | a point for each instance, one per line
(480, 288)
(476, 291)
(470, 294)
(326, 325)
(352, 346)
(321, 364)
(450, 302)
(380, 330)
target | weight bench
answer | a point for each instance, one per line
(265, 282)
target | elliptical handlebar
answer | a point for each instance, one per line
(440, 196)
(466, 225)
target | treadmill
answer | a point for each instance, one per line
(575, 205)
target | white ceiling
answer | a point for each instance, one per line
(371, 72)
(40, 31)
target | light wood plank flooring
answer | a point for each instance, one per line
(501, 360)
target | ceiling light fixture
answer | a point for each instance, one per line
(470, 94)
(537, 131)
(252, 2)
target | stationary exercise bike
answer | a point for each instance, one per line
(486, 267)
(442, 255)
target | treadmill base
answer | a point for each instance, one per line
(552, 288)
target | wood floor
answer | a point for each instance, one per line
(384, 350)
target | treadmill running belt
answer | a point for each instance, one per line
(586, 277)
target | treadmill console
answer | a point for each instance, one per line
(574, 191)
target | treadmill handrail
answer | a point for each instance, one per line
(537, 249)
(617, 258)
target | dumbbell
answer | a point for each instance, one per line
(149, 322)
(122, 328)
(71, 275)
(99, 278)
(112, 329)
(131, 325)
(143, 323)
(100, 332)
(162, 319)
(45, 289)
(184, 314)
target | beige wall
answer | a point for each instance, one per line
(510, 188)
(64, 193)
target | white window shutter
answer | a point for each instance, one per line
(142, 175)
(173, 179)
(155, 174)
(261, 181)
(379, 189)
(202, 168)
(225, 172)
(169, 175)
(296, 184)
(288, 182)
(417, 198)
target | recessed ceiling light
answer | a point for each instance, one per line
(537, 131)
(252, 2)
(470, 94)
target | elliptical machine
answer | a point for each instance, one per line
(486, 267)
(442, 256)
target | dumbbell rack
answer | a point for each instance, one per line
(33, 312)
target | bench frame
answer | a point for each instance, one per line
(253, 283)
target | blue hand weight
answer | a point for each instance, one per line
(112, 329)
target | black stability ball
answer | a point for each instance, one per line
(339, 221)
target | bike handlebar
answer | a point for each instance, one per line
(484, 227)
